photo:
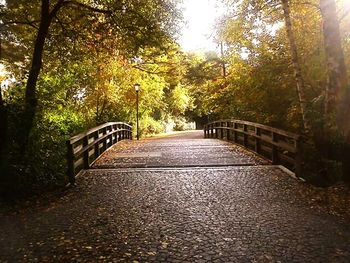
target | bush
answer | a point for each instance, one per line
(149, 126)
(44, 165)
(323, 162)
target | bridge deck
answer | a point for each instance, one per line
(183, 149)
(192, 214)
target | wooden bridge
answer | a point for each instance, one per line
(275, 145)
(180, 198)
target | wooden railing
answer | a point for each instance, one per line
(279, 146)
(84, 148)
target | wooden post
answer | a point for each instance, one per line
(222, 124)
(235, 125)
(257, 140)
(274, 157)
(86, 153)
(110, 136)
(97, 145)
(228, 131)
(118, 133)
(298, 157)
(114, 138)
(245, 136)
(105, 139)
(70, 163)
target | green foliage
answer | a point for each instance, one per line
(93, 59)
(260, 83)
(149, 126)
(47, 150)
(94, 53)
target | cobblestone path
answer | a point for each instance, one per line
(183, 214)
(179, 150)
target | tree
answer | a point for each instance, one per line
(296, 65)
(337, 101)
(54, 47)
(144, 23)
(316, 55)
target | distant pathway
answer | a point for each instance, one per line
(161, 206)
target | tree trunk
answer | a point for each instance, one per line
(223, 60)
(30, 92)
(338, 89)
(296, 65)
(3, 129)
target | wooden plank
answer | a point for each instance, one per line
(264, 127)
(90, 131)
(287, 159)
(101, 139)
(287, 147)
(262, 139)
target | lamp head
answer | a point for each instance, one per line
(137, 87)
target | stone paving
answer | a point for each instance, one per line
(219, 214)
(178, 150)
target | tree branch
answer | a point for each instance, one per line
(27, 23)
(85, 6)
(56, 8)
(150, 72)
(60, 23)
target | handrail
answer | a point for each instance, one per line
(278, 146)
(84, 148)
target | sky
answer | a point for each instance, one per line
(200, 15)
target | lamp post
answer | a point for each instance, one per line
(137, 89)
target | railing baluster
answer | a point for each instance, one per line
(86, 153)
(274, 149)
(257, 140)
(298, 158)
(245, 136)
(228, 131)
(110, 136)
(235, 132)
(97, 145)
(105, 139)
